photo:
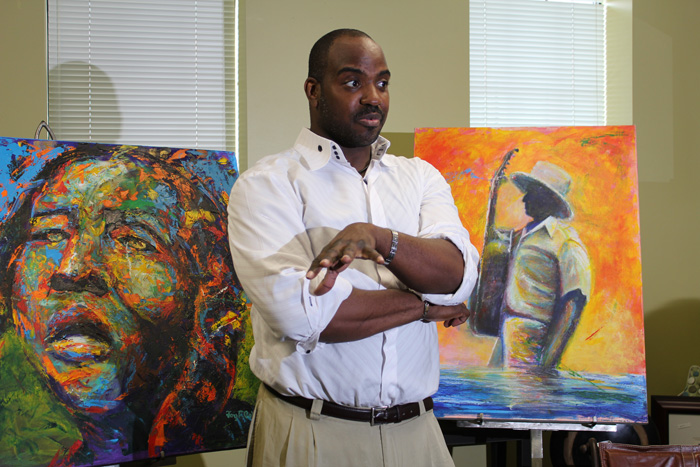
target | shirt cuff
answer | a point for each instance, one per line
(471, 261)
(320, 309)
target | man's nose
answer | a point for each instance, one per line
(371, 96)
(81, 267)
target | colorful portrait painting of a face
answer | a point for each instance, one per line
(556, 330)
(123, 325)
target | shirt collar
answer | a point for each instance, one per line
(317, 151)
(549, 224)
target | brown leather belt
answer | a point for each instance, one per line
(374, 415)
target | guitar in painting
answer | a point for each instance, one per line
(487, 297)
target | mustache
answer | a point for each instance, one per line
(370, 110)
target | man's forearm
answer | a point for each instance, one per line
(427, 265)
(368, 312)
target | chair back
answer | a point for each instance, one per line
(628, 455)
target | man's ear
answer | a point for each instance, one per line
(312, 88)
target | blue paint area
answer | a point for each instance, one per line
(561, 397)
(242, 418)
(19, 163)
(54, 254)
(166, 198)
(451, 177)
(214, 171)
(14, 152)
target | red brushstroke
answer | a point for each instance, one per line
(596, 332)
(58, 459)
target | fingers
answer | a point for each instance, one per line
(451, 316)
(454, 322)
(319, 263)
(355, 241)
(346, 251)
(333, 269)
(327, 283)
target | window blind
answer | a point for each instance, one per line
(536, 63)
(144, 72)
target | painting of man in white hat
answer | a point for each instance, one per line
(554, 212)
(549, 274)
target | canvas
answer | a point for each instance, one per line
(124, 330)
(556, 326)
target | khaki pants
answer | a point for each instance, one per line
(282, 434)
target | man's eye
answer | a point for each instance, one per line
(383, 84)
(136, 243)
(49, 235)
(353, 83)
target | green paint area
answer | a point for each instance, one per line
(33, 425)
(246, 386)
(591, 140)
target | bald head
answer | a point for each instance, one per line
(318, 57)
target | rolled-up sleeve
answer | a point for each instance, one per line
(439, 218)
(271, 253)
(575, 268)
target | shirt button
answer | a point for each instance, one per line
(320, 148)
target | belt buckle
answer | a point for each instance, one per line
(376, 412)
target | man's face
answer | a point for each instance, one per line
(538, 203)
(353, 102)
(101, 284)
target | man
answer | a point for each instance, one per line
(349, 255)
(126, 305)
(549, 277)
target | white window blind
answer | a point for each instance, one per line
(144, 72)
(536, 63)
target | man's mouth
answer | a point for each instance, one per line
(372, 119)
(78, 337)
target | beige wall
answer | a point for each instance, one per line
(22, 67)
(427, 54)
(666, 93)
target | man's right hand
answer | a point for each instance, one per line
(356, 241)
(451, 316)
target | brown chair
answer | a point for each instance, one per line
(628, 455)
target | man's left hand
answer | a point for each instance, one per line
(358, 240)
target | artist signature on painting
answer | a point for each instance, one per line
(242, 417)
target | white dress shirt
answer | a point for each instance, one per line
(281, 214)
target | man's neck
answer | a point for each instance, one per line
(532, 225)
(537, 224)
(359, 158)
